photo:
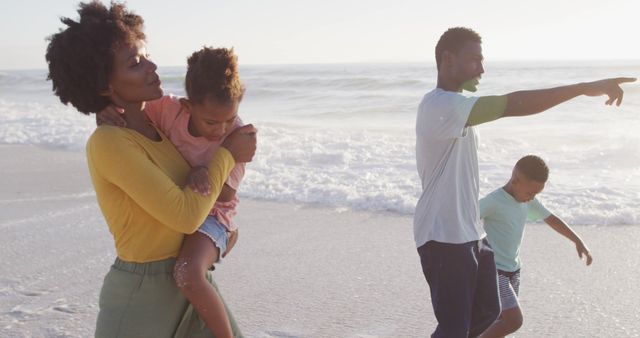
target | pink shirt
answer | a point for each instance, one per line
(173, 120)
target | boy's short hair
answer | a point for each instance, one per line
(453, 40)
(212, 73)
(81, 56)
(534, 168)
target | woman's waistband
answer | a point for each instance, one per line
(158, 267)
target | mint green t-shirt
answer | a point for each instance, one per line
(504, 221)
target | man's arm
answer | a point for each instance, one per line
(529, 102)
(562, 228)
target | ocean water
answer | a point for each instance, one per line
(343, 135)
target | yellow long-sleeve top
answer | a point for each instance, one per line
(139, 186)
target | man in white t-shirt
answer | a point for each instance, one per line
(456, 259)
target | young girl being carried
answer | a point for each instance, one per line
(197, 125)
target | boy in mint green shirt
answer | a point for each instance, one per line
(505, 212)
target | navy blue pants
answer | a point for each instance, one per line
(464, 287)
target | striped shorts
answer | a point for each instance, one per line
(509, 286)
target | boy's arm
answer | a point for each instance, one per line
(529, 102)
(562, 228)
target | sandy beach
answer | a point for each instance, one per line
(297, 271)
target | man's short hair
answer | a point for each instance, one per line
(453, 40)
(534, 168)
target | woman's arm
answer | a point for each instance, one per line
(124, 163)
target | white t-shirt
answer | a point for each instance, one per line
(447, 160)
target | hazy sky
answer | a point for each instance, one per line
(289, 31)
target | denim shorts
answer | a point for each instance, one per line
(218, 234)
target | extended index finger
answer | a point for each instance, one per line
(620, 80)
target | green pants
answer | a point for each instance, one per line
(142, 300)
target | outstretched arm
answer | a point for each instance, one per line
(562, 228)
(529, 102)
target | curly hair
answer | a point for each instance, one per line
(212, 73)
(81, 56)
(534, 168)
(453, 40)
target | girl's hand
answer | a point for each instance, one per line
(241, 143)
(198, 180)
(111, 116)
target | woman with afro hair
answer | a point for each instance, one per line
(139, 176)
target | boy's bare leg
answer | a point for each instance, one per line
(510, 321)
(198, 253)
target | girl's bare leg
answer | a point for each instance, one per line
(198, 253)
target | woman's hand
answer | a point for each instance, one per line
(198, 180)
(241, 143)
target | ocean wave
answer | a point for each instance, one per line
(343, 136)
(46, 125)
(372, 170)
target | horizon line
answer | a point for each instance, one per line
(499, 60)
